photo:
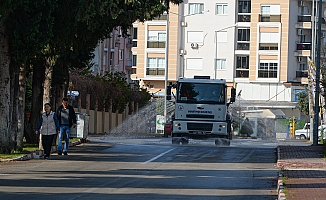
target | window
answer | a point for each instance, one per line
(244, 7)
(156, 39)
(195, 36)
(196, 8)
(220, 64)
(265, 10)
(121, 54)
(243, 39)
(155, 66)
(157, 35)
(221, 9)
(303, 66)
(242, 67)
(243, 34)
(266, 46)
(135, 33)
(269, 37)
(134, 60)
(267, 69)
(194, 64)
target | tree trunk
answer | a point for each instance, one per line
(59, 83)
(21, 107)
(14, 73)
(47, 82)
(37, 102)
(6, 143)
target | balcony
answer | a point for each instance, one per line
(155, 44)
(305, 18)
(304, 46)
(128, 62)
(243, 45)
(244, 17)
(301, 74)
(242, 73)
(134, 43)
(162, 17)
(155, 71)
(270, 18)
(129, 44)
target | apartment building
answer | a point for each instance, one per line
(113, 54)
(259, 46)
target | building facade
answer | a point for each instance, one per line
(259, 46)
(113, 55)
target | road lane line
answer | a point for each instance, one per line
(156, 157)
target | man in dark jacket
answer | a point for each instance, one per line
(67, 119)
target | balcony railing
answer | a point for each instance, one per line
(304, 46)
(270, 18)
(134, 43)
(302, 74)
(244, 18)
(304, 18)
(155, 44)
(162, 17)
(155, 71)
(242, 73)
(128, 62)
(243, 45)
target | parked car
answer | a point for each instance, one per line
(304, 133)
(168, 127)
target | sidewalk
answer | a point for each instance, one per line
(303, 174)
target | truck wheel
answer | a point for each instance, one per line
(175, 141)
(302, 137)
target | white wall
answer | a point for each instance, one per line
(209, 23)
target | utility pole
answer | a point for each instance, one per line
(316, 117)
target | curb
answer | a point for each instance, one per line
(38, 153)
(280, 188)
(280, 184)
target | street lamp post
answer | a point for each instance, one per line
(167, 58)
(166, 66)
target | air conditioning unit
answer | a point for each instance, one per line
(183, 52)
(301, 3)
(300, 32)
(299, 59)
(194, 45)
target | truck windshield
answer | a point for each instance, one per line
(210, 93)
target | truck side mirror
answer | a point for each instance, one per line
(168, 92)
(233, 94)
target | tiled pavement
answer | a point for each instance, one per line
(303, 172)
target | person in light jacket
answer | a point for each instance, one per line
(48, 126)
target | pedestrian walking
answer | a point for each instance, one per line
(67, 119)
(48, 126)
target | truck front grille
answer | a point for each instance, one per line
(199, 126)
(200, 116)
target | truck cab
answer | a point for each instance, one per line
(201, 110)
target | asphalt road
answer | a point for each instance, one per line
(147, 169)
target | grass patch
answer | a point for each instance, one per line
(27, 148)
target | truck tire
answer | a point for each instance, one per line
(303, 137)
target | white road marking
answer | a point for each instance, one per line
(156, 157)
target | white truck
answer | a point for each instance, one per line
(304, 133)
(201, 110)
